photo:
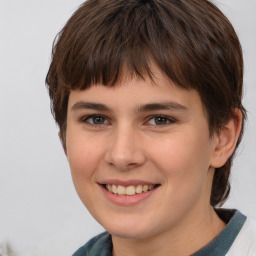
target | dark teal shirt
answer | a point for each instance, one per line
(101, 245)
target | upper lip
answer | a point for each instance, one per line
(126, 183)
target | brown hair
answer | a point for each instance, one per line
(190, 41)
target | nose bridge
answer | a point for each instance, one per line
(125, 150)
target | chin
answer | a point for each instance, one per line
(130, 230)
(133, 235)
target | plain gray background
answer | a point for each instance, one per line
(40, 213)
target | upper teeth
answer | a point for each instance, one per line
(130, 190)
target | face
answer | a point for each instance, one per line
(140, 155)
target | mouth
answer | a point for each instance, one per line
(129, 190)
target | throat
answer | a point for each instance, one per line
(178, 241)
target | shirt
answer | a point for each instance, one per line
(238, 238)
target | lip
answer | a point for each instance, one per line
(125, 183)
(125, 200)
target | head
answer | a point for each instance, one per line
(190, 42)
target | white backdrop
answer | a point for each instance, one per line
(40, 213)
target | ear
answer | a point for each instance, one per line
(226, 140)
(63, 141)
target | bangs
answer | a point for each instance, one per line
(129, 39)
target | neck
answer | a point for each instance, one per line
(184, 239)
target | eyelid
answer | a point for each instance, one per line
(85, 119)
(170, 120)
(107, 121)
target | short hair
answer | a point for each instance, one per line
(190, 41)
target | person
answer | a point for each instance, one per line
(147, 95)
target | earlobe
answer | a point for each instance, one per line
(226, 140)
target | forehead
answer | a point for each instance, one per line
(134, 92)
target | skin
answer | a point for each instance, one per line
(126, 143)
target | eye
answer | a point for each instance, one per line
(95, 120)
(160, 120)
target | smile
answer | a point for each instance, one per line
(128, 193)
(129, 190)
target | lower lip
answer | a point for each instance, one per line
(125, 200)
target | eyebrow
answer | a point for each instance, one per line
(90, 105)
(143, 108)
(161, 106)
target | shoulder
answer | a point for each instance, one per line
(98, 245)
(245, 242)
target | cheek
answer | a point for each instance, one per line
(84, 153)
(184, 161)
(84, 157)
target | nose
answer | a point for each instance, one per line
(125, 150)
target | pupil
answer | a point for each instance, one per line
(160, 120)
(98, 120)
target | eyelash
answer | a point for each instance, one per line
(168, 120)
(86, 118)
